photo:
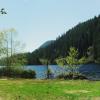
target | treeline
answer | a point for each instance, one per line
(82, 36)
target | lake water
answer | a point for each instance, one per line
(91, 70)
(41, 70)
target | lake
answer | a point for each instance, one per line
(41, 70)
(92, 71)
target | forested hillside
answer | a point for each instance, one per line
(46, 44)
(82, 36)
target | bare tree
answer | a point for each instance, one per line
(13, 48)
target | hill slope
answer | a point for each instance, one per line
(47, 43)
(82, 36)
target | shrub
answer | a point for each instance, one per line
(71, 61)
(28, 74)
(16, 73)
(70, 76)
(61, 76)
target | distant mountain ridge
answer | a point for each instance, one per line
(47, 43)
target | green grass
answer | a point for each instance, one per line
(49, 90)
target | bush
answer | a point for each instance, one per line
(61, 76)
(28, 74)
(70, 76)
(16, 73)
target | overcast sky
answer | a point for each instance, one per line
(40, 20)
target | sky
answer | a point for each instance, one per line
(38, 21)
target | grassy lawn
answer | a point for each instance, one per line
(49, 90)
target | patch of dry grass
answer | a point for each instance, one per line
(76, 91)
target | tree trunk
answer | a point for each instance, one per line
(47, 71)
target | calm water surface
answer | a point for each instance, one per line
(91, 70)
(41, 70)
